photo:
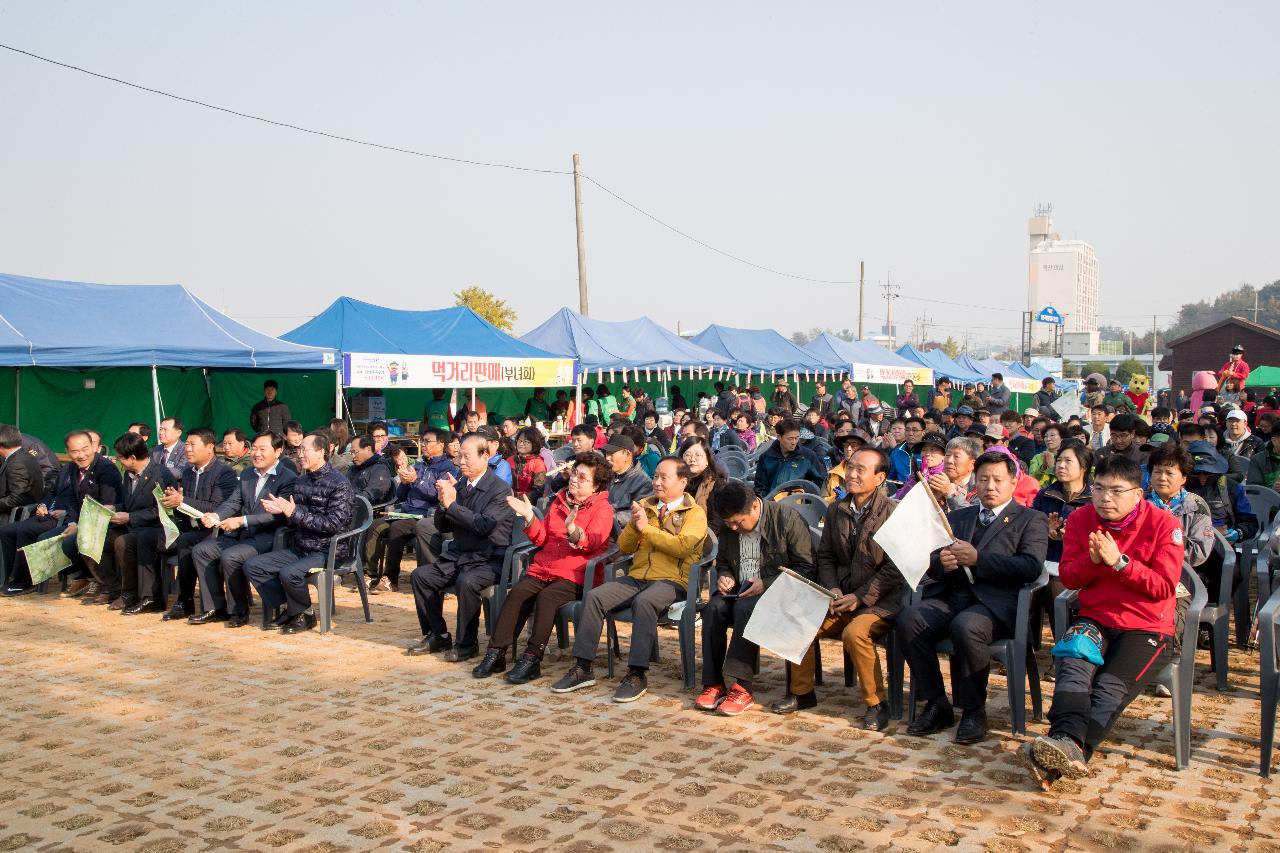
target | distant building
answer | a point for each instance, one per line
(1208, 348)
(1063, 274)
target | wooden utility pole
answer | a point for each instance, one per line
(862, 293)
(582, 243)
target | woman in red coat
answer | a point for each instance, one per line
(577, 528)
(528, 468)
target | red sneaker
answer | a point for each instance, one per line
(709, 698)
(738, 700)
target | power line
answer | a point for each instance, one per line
(326, 134)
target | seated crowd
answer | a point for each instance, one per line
(619, 517)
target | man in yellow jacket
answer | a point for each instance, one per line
(665, 534)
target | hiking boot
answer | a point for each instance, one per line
(1062, 754)
(494, 660)
(737, 702)
(633, 686)
(575, 679)
(710, 697)
(1044, 776)
(528, 668)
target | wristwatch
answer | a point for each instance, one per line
(1123, 564)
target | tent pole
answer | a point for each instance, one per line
(155, 395)
(473, 399)
(337, 398)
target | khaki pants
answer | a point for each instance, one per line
(858, 632)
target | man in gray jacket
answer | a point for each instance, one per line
(998, 396)
(630, 483)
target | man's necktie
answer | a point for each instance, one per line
(986, 517)
(662, 514)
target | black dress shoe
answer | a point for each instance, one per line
(431, 644)
(461, 653)
(146, 605)
(301, 622)
(178, 611)
(12, 591)
(792, 702)
(237, 620)
(495, 660)
(207, 617)
(528, 668)
(936, 716)
(973, 726)
(877, 717)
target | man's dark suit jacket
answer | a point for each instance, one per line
(215, 484)
(21, 480)
(102, 483)
(1011, 554)
(480, 522)
(245, 500)
(138, 497)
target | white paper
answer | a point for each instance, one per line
(788, 617)
(190, 512)
(912, 533)
(1067, 405)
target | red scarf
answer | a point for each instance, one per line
(1124, 523)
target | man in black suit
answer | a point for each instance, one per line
(475, 510)
(137, 518)
(21, 481)
(170, 450)
(245, 530)
(46, 458)
(86, 473)
(970, 595)
(206, 482)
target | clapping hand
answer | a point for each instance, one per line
(940, 484)
(172, 498)
(447, 490)
(408, 475)
(638, 516)
(1103, 548)
(521, 507)
(279, 506)
(1055, 525)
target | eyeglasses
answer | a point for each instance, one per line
(1112, 491)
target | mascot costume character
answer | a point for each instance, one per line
(1203, 382)
(1139, 394)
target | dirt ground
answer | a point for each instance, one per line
(127, 733)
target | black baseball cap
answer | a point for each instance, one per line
(620, 442)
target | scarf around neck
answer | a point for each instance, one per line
(1123, 523)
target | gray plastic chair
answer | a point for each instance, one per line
(1266, 506)
(811, 507)
(1179, 674)
(1216, 616)
(795, 486)
(1268, 622)
(688, 617)
(1020, 666)
(325, 578)
(735, 466)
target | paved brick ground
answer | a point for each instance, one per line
(132, 734)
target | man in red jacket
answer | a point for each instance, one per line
(1125, 556)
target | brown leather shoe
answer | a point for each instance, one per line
(81, 586)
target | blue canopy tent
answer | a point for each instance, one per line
(941, 364)
(764, 351)
(48, 328)
(453, 347)
(627, 346)
(986, 368)
(869, 362)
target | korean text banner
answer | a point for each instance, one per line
(400, 370)
(891, 374)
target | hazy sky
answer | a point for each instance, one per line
(916, 137)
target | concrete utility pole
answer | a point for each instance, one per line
(1154, 349)
(862, 288)
(890, 294)
(582, 243)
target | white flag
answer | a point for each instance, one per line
(1067, 405)
(912, 533)
(788, 616)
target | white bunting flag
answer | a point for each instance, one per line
(1067, 405)
(788, 616)
(913, 532)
